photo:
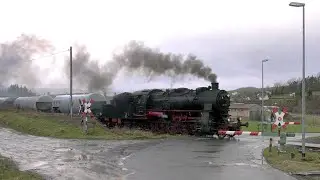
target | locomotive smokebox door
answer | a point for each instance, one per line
(205, 118)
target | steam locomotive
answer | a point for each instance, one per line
(203, 111)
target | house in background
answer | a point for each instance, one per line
(245, 111)
(266, 97)
(315, 93)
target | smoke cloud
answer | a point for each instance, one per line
(135, 57)
(15, 59)
(87, 72)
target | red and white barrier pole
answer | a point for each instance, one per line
(253, 133)
(291, 123)
(250, 133)
(285, 124)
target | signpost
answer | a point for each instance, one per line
(85, 110)
(279, 119)
(279, 123)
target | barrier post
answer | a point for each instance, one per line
(270, 145)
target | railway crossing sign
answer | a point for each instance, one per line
(279, 116)
(85, 107)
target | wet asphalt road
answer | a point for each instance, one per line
(206, 159)
(68, 159)
(187, 158)
(202, 159)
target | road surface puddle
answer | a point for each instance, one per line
(68, 159)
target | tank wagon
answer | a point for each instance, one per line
(39, 103)
(108, 99)
(61, 103)
(7, 102)
(204, 110)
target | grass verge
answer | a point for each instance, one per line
(253, 126)
(42, 124)
(9, 171)
(284, 162)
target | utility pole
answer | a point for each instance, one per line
(262, 105)
(303, 112)
(303, 103)
(71, 102)
(262, 97)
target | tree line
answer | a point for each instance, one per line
(294, 86)
(16, 90)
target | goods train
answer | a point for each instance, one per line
(182, 110)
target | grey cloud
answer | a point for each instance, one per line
(239, 55)
(135, 57)
(15, 59)
(236, 59)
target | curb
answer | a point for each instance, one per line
(309, 173)
(273, 134)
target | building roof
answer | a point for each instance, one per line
(242, 106)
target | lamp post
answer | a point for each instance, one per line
(303, 103)
(262, 97)
(262, 105)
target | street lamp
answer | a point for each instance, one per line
(262, 105)
(262, 98)
(297, 4)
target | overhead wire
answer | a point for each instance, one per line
(50, 55)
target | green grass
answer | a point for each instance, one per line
(284, 162)
(9, 171)
(312, 120)
(41, 124)
(310, 128)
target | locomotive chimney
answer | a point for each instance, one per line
(215, 85)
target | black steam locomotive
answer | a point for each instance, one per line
(182, 110)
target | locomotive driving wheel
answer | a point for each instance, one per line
(221, 136)
(153, 127)
(231, 136)
(185, 129)
(173, 128)
(162, 127)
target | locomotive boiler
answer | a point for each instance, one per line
(181, 110)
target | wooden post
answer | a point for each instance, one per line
(270, 145)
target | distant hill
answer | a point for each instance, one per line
(284, 94)
(246, 91)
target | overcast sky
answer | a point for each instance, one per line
(231, 36)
